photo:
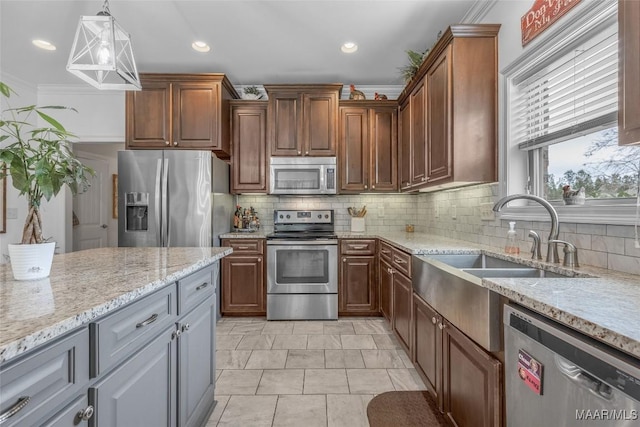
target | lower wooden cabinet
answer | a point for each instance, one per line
(386, 289)
(427, 344)
(243, 278)
(358, 286)
(465, 379)
(402, 291)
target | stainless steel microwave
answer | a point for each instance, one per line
(303, 175)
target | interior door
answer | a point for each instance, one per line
(91, 208)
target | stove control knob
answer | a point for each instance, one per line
(281, 217)
(288, 216)
(326, 216)
(319, 216)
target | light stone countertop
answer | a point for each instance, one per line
(259, 234)
(85, 285)
(600, 303)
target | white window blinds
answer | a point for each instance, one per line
(576, 94)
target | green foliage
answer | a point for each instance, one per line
(415, 60)
(38, 159)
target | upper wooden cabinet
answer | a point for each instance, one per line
(368, 146)
(249, 146)
(183, 111)
(449, 112)
(629, 72)
(303, 119)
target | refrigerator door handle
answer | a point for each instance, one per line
(157, 201)
(165, 203)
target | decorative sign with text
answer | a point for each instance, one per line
(530, 371)
(542, 14)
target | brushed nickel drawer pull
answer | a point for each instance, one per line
(385, 252)
(204, 285)
(85, 414)
(399, 261)
(149, 321)
(243, 248)
(19, 405)
(358, 247)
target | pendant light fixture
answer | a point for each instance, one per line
(101, 53)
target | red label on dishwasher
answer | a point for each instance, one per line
(530, 371)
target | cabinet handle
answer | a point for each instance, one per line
(399, 261)
(434, 320)
(149, 321)
(243, 248)
(306, 153)
(373, 186)
(19, 405)
(85, 414)
(423, 179)
(299, 152)
(358, 247)
(390, 270)
(259, 259)
(175, 143)
(441, 326)
(204, 285)
(365, 186)
(385, 252)
(185, 327)
(167, 143)
(176, 334)
(344, 260)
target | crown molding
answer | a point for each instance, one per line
(478, 11)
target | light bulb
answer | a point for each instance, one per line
(104, 50)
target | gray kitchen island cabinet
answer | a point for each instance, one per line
(150, 362)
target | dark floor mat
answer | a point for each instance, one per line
(404, 409)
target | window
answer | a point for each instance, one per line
(562, 99)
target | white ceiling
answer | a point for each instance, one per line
(253, 42)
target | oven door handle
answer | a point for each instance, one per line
(301, 242)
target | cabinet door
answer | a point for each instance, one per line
(439, 119)
(354, 149)
(358, 290)
(148, 116)
(320, 123)
(384, 149)
(284, 128)
(427, 344)
(404, 118)
(196, 361)
(142, 391)
(418, 135)
(71, 415)
(472, 392)
(386, 289)
(195, 115)
(629, 74)
(249, 158)
(243, 288)
(402, 291)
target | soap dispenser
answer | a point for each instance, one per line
(512, 240)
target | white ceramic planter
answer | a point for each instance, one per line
(31, 262)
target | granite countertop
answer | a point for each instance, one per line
(602, 304)
(85, 285)
(259, 234)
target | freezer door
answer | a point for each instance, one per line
(189, 198)
(139, 198)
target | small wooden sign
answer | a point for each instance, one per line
(542, 14)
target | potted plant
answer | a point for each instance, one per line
(40, 162)
(415, 60)
(252, 92)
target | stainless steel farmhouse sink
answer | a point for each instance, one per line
(451, 284)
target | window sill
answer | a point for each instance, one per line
(619, 212)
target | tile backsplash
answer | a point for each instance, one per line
(600, 245)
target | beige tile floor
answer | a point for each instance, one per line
(290, 373)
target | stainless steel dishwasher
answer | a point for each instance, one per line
(555, 376)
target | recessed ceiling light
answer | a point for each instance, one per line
(200, 46)
(43, 44)
(349, 47)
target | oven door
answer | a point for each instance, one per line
(302, 267)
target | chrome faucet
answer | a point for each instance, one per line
(552, 248)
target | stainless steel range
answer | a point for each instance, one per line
(302, 266)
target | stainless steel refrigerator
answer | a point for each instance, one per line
(172, 198)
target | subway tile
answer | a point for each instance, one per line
(599, 229)
(630, 248)
(620, 230)
(611, 245)
(624, 264)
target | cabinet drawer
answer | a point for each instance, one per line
(358, 247)
(401, 261)
(120, 334)
(244, 246)
(196, 287)
(385, 251)
(44, 380)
